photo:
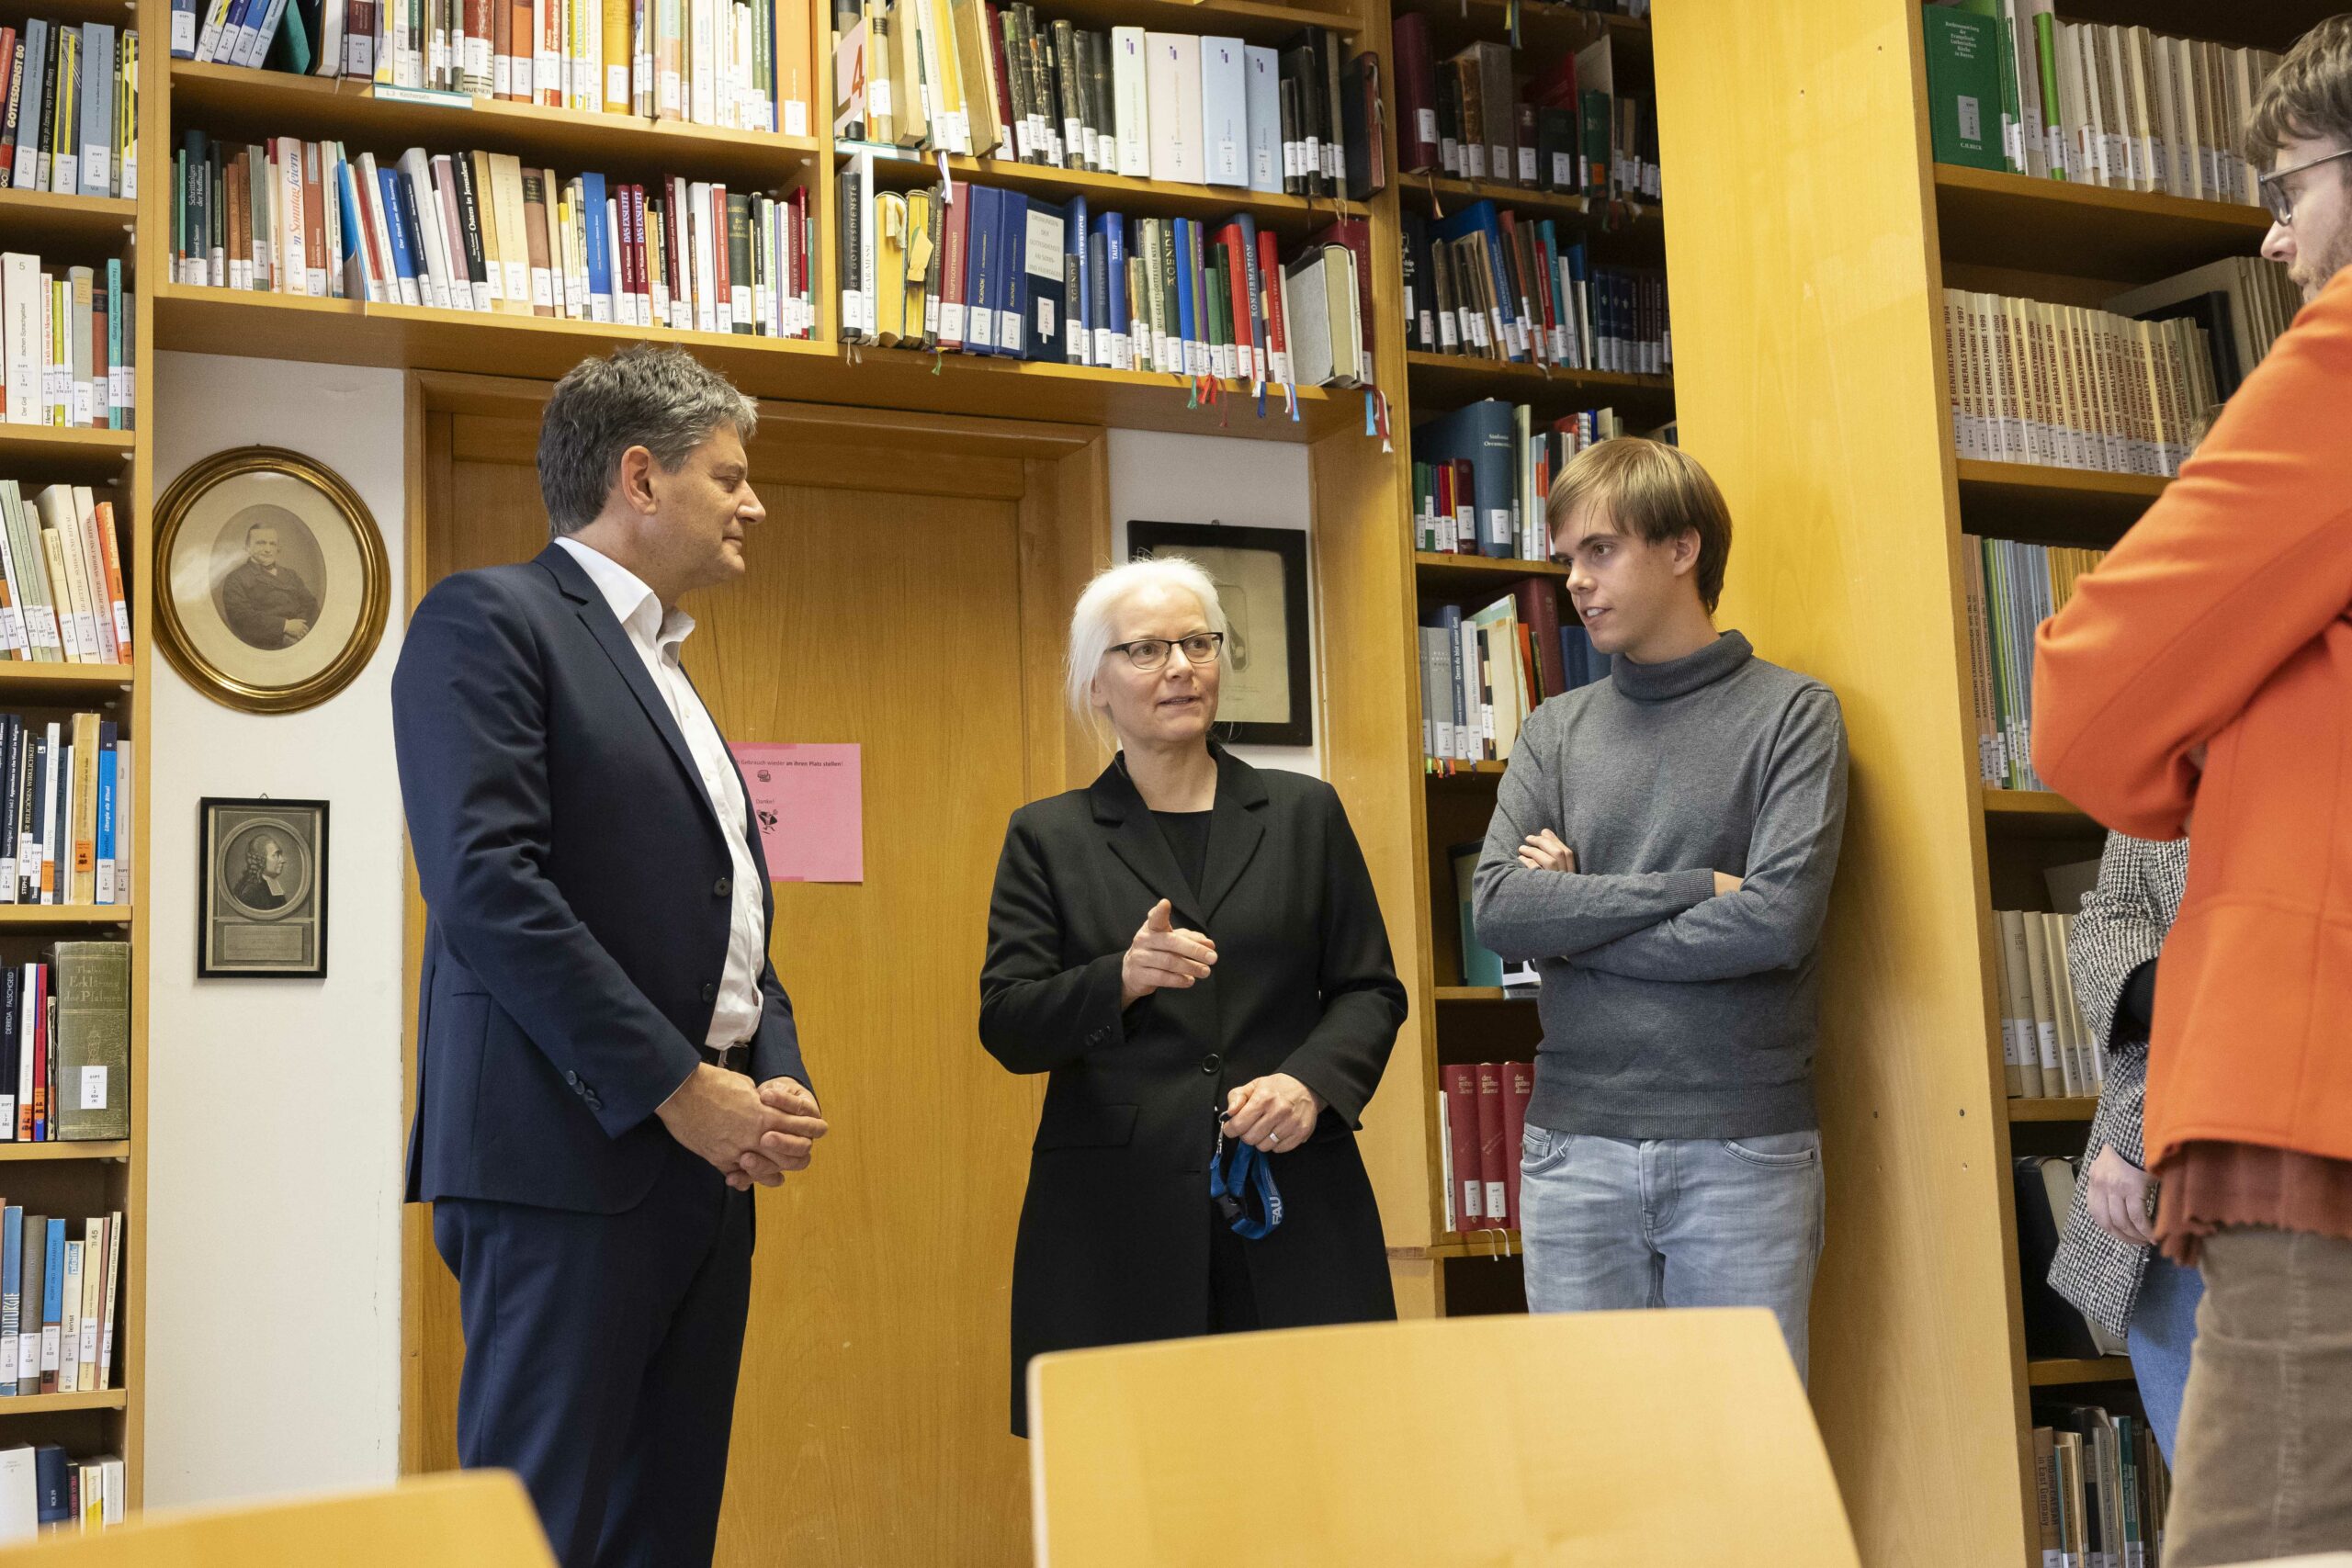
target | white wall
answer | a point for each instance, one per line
(272, 1177)
(1166, 478)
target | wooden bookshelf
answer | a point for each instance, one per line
(43, 221)
(2058, 1373)
(1468, 771)
(1452, 378)
(1450, 573)
(65, 915)
(2034, 813)
(1622, 219)
(48, 681)
(2071, 1108)
(58, 1403)
(118, 1148)
(57, 452)
(2050, 505)
(1988, 218)
(1291, 215)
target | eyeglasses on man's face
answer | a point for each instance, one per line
(2275, 195)
(1148, 653)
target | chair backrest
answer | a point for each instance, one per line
(480, 1519)
(1623, 1439)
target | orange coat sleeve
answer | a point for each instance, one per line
(2244, 561)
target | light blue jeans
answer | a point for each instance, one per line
(1610, 1223)
(2163, 1327)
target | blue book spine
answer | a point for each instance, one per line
(1115, 288)
(599, 258)
(106, 823)
(980, 239)
(53, 1493)
(353, 231)
(1012, 275)
(53, 1291)
(1097, 252)
(1183, 226)
(196, 248)
(396, 221)
(1450, 617)
(12, 1284)
(118, 378)
(1077, 341)
(184, 21)
(1263, 355)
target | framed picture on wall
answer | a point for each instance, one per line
(272, 581)
(1267, 696)
(262, 889)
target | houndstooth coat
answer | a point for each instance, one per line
(2121, 926)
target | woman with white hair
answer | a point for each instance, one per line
(1192, 950)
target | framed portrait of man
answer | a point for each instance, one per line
(272, 579)
(262, 875)
(1265, 695)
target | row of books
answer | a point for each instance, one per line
(69, 108)
(1483, 471)
(2010, 587)
(45, 1488)
(66, 1044)
(2047, 1049)
(479, 231)
(2034, 382)
(2100, 1488)
(997, 272)
(66, 344)
(984, 79)
(1481, 1114)
(2014, 88)
(1489, 283)
(64, 786)
(1565, 128)
(62, 596)
(739, 64)
(2242, 302)
(1481, 965)
(60, 1282)
(1483, 671)
(2055, 1327)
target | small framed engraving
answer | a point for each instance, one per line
(262, 881)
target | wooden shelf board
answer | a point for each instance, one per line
(897, 169)
(1452, 574)
(1640, 225)
(117, 1148)
(2033, 814)
(29, 676)
(1450, 379)
(64, 914)
(36, 455)
(2073, 1108)
(49, 1404)
(1477, 994)
(231, 101)
(71, 230)
(1465, 771)
(2062, 1373)
(2042, 225)
(1476, 1244)
(2050, 505)
(220, 321)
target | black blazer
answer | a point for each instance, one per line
(578, 893)
(1114, 1245)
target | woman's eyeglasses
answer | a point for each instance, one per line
(1148, 653)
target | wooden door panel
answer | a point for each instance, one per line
(871, 1420)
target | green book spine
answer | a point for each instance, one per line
(92, 1095)
(2012, 125)
(1964, 85)
(2045, 54)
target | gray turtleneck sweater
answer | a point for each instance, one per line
(1668, 1011)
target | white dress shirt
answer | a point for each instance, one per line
(656, 638)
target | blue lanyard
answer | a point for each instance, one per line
(1250, 1171)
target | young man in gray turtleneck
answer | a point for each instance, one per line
(1662, 848)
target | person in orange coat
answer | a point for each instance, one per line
(2207, 666)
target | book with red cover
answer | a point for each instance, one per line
(1468, 1199)
(951, 275)
(1539, 612)
(1519, 1087)
(1416, 136)
(1006, 149)
(1553, 87)
(1491, 1163)
(1269, 273)
(1236, 278)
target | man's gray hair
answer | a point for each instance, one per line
(1093, 622)
(661, 398)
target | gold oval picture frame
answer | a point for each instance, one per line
(271, 579)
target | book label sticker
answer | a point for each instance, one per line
(1426, 119)
(810, 808)
(93, 1088)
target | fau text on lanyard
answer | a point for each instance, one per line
(1231, 1182)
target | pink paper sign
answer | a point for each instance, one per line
(810, 810)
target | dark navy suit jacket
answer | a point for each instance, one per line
(577, 888)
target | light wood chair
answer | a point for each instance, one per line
(1618, 1439)
(480, 1519)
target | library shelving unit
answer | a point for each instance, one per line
(80, 1179)
(1811, 381)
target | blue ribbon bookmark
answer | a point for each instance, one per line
(1250, 1172)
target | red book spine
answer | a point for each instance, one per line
(1490, 1145)
(1417, 147)
(1468, 1197)
(1270, 276)
(1008, 149)
(1519, 1087)
(40, 1052)
(1465, 504)
(1245, 337)
(951, 277)
(1539, 610)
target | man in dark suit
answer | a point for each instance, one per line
(605, 1061)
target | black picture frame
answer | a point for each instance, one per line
(1281, 713)
(255, 922)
